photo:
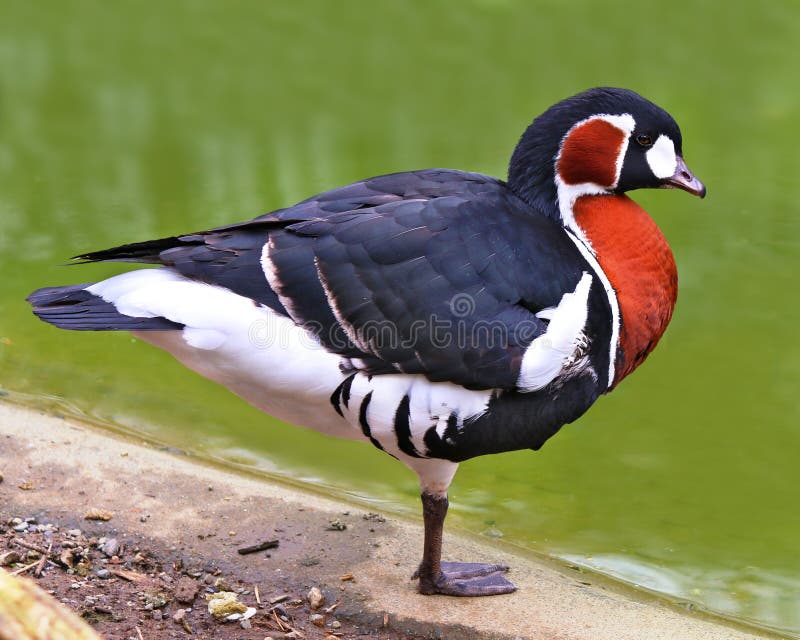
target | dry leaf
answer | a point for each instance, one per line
(98, 514)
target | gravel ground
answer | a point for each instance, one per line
(128, 588)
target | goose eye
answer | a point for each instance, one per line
(644, 140)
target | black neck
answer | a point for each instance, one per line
(531, 172)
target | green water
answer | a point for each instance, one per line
(125, 121)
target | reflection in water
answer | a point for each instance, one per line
(748, 592)
(117, 126)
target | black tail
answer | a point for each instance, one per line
(73, 307)
(148, 252)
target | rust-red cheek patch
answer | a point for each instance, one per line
(589, 153)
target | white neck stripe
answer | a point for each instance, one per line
(568, 194)
(613, 302)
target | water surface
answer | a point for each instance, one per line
(122, 122)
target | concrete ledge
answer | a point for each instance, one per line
(166, 497)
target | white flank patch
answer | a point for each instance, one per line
(662, 157)
(548, 354)
(429, 404)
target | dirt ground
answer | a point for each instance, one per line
(128, 587)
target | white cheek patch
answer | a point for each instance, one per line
(626, 123)
(662, 158)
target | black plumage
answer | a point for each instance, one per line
(397, 255)
(74, 308)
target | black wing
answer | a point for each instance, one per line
(435, 272)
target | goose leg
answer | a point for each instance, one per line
(453, 578)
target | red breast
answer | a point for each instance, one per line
(640, 267)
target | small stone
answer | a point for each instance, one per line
(158, 615)
(374, 517)
(179, 616)
(26, 486)
(8, 558)
(245, 624)
(110, 548)
(222, 584)
(309, 561)
(73, 533)
(1, 477)
(318, 620)
(251, 611)
(336, 525)
(186, 590)
(315, 598)
(336, 624)
(155, 599)
(103, 574)
(21, 528)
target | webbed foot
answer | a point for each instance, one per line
(468, 579)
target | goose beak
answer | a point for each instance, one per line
(684, 179)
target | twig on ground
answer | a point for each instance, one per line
(261, 546)
(25, 568)
(33, 547)
(42, 561)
